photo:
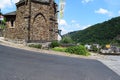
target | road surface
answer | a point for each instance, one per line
(112, 61)
(17, 64)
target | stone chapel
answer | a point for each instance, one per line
(33, 21)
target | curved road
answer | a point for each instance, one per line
(17, 64)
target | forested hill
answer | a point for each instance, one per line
(102, 33)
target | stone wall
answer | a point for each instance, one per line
(9, 31)
(1, 32)
(43, 23)
(21, 26)
(39, 22)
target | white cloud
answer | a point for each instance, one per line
(65, 27)
(15, 1)
(86, 1)
(77, 25)
(4, 3)
(118, 12)
(64, 31)
(7, 3)
(59, 38)
(73, 21)
(73, 25)
(104, 11)
(84, 27)
(62, 22)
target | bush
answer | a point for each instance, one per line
(36, 46)
(66, 40)
(61, 49)
(2, 26)
(54, 44)
(79, 50)
(94, 48)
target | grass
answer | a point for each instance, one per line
(78, 51)
(35, 46)
(60, 49)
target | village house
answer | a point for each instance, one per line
(33, 21)
(1, 23)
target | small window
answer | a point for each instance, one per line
(12, 23)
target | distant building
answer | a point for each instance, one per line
(88, 46)
(33, 21)
(1, 17)
(1, 23)
(111, 50)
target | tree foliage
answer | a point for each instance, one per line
(66, 40)
(102, 33)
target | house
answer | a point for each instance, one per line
(33, 21)
(91, 47)
(111, 50)
(1, 17)
(87, 46)
(1, 23)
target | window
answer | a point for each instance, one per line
(12, 23)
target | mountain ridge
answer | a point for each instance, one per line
(101, 33)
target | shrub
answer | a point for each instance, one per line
(2, 26)
(80, 50)
(36, 46)
(61, 49)
(66, 40)
(54, 44)
(94, 48)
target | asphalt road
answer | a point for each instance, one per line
(16, 64)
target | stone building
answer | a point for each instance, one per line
(33, 21)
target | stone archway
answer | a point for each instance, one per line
(39, 28)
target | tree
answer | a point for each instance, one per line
(66, 40)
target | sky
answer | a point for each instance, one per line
(78, 14)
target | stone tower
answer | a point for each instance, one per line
(35, 21)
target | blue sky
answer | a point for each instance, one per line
(78, 14)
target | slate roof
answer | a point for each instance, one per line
(39, 1)
(10, 14)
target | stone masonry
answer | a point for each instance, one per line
(35, 21)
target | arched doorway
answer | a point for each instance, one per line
(39, 28)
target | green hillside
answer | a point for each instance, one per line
(102, 33)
